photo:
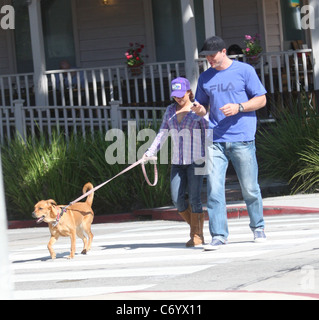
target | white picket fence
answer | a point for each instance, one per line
(98, 86)
(32, 121)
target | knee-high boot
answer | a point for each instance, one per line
(186, 215)
(197, 230)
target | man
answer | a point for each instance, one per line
(232, 91)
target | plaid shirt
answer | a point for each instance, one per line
(188, 137)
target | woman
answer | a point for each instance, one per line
(188, 134)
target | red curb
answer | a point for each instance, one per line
(232, 212)
(170, 214)
(297, 294)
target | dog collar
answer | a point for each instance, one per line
(59, 216)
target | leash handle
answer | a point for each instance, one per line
(155, 171)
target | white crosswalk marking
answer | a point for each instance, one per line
(137, 256)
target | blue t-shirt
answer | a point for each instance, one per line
(236, 84)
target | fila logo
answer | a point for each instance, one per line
(222, 87)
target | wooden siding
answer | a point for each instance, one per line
(104, 33)
(236, 18)
(273, 25)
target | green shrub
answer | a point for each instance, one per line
(36, 170)
(307, 178)
(283, 147)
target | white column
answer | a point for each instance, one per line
(209, 10)
(40, 80)
(190, 40)
(314, 34)
(6, 283)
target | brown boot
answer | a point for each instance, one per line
(186, 215)
(197, 230)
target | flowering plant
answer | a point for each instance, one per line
(134, 55)
(253, 47)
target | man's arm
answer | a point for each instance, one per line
(253, 104)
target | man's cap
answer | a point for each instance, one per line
(212, 46)
(179, 87)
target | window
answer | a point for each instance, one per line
(22, 38)
(57, 32)
(168, 28)
(291, 19)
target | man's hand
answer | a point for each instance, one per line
(253, 104)
(230, 109)
(199, 109)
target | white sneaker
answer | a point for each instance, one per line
(216, 244)
(260, 236)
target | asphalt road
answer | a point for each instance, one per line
(148, 260)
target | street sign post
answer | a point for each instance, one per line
(6, 284)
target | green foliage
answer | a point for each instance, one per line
(36, 169)
(307, 178)
(287, 148)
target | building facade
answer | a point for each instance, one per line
(97, 33)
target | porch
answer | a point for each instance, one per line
(285, 72)
(97, 99)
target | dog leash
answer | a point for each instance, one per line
(140, 162)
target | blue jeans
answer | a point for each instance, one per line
(243, 157)
(183, 181)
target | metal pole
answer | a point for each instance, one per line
(191, 50)
(6, 284)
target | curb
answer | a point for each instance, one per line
(171, 214)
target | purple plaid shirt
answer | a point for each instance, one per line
(188, 137)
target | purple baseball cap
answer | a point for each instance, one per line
(179, 87)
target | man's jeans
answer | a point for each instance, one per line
(243, 158)
(184, 180)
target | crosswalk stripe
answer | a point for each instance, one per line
(134, 260)
(109, 273)
(135, 250)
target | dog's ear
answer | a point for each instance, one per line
(52, 203)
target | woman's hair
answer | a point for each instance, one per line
(191, 95)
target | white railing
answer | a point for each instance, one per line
(281, 72)
(18, 86)
(98, 86)
(32, 121)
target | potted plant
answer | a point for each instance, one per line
(134, 58)
(253, 49)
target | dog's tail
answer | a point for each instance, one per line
(86, 188)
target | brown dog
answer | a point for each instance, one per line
(76, 220)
